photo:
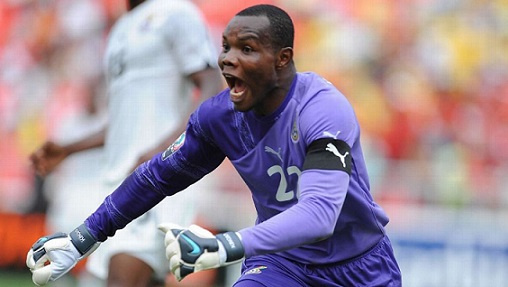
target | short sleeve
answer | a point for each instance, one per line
(187, 33)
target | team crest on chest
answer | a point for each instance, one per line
(174, 146)
(294, 130)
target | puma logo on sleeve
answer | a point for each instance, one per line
(329, 154)
(331, 148)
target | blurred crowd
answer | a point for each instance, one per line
(428, 80)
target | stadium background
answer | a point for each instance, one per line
(428, 80)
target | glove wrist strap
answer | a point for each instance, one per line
(82, 239)
(233, 245)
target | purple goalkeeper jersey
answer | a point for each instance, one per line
(312, 215)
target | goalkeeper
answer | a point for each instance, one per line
(295, 140)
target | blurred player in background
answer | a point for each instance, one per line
(295, 140)
(157, 53)
(78, 178)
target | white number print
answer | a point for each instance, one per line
(282, 193)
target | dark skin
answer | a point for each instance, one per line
(127, 270)
(258, 73)
(133, 3)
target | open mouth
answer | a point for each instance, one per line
(237, 87)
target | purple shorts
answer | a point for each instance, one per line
(376, 267)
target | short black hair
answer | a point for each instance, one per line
(282, 30)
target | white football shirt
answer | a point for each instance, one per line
(149, 55)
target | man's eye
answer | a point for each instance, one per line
(247, 49)
(225, 47)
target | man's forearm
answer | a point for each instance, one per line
(93, 141)
(135, 196)
(311, 220)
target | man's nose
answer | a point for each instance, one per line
(229, 58)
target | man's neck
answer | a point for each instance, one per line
(134, 3)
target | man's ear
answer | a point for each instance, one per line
(285, 57)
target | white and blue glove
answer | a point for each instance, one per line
(196, 249)
(53, 256)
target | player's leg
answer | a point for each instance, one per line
(133, 257)
(128, 271)
(87, 279)
(206, 278)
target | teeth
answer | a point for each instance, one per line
(236, 94)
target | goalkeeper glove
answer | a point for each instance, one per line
(196, 249)
(61, 251)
